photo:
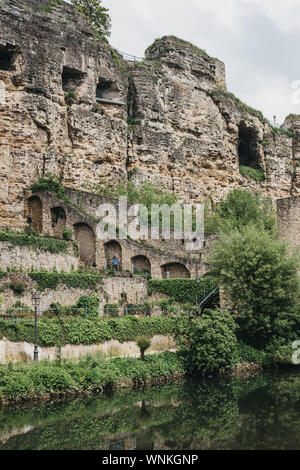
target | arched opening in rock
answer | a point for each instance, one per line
(58, 219)
(85, 238)
(71, 79)
(113, 250)
(141, 265)
(247, 147)
(35, 213)
(7, 57)
(174, 271)
(108, 91)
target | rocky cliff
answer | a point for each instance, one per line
(71, 106)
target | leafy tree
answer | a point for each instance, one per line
(96, 14)
(260, 276)
(143, 343)
(239, 209)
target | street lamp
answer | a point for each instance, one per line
(197, 289)
(36, 299)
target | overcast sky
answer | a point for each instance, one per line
(257, 39)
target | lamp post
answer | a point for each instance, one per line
(36, 299)
(198, 280)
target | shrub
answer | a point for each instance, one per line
(17, 287)
(208, 344)
(67, 234)
(143, 343)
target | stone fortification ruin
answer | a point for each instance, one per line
(71, 106)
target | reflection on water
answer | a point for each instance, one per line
(259, 413)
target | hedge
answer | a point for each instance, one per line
(51, 245)
(183, 290)
(78, 330)
(50, 280)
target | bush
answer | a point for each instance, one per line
(80, 280)
(17, 287)
(67, 234)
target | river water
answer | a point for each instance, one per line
(262, 412)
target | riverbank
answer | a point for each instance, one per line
(62, 379)
(47, 380)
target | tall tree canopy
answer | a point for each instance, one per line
(96, 14)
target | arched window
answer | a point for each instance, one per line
(247, 147)
(140, 265)
(85, 238)
(113, 250)
(35, 213)
(174, 271)
(7, 57)
(58, 218)
(108, 91)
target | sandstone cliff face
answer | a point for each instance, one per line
(191, 128)
(61, 112)
(50, 121)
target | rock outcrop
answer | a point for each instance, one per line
(71, 106)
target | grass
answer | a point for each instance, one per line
(251, 173)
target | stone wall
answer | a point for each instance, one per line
(288, 216)
(25, 258)
(109, 291)
(56, 118)
(22, 351)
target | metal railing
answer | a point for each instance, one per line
(130, 57)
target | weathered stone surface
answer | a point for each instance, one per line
(15, 352)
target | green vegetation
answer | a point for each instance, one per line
(17, 287)
(196, 49)
(78, 330)
(133, 122)
(25, 381)
(143, 343)
(240, 209)
(70, 94)
(251, 173)
(261, 278)
(219, 93)
(50, 183)
(183, 290)
(35, 241)
(208, 344)
(96, 14)
(76, 279)
(280, 130)
(67, 234)
(48, 8)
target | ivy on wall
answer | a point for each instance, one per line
(78, 330)
(182, 290)
(50, 280)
